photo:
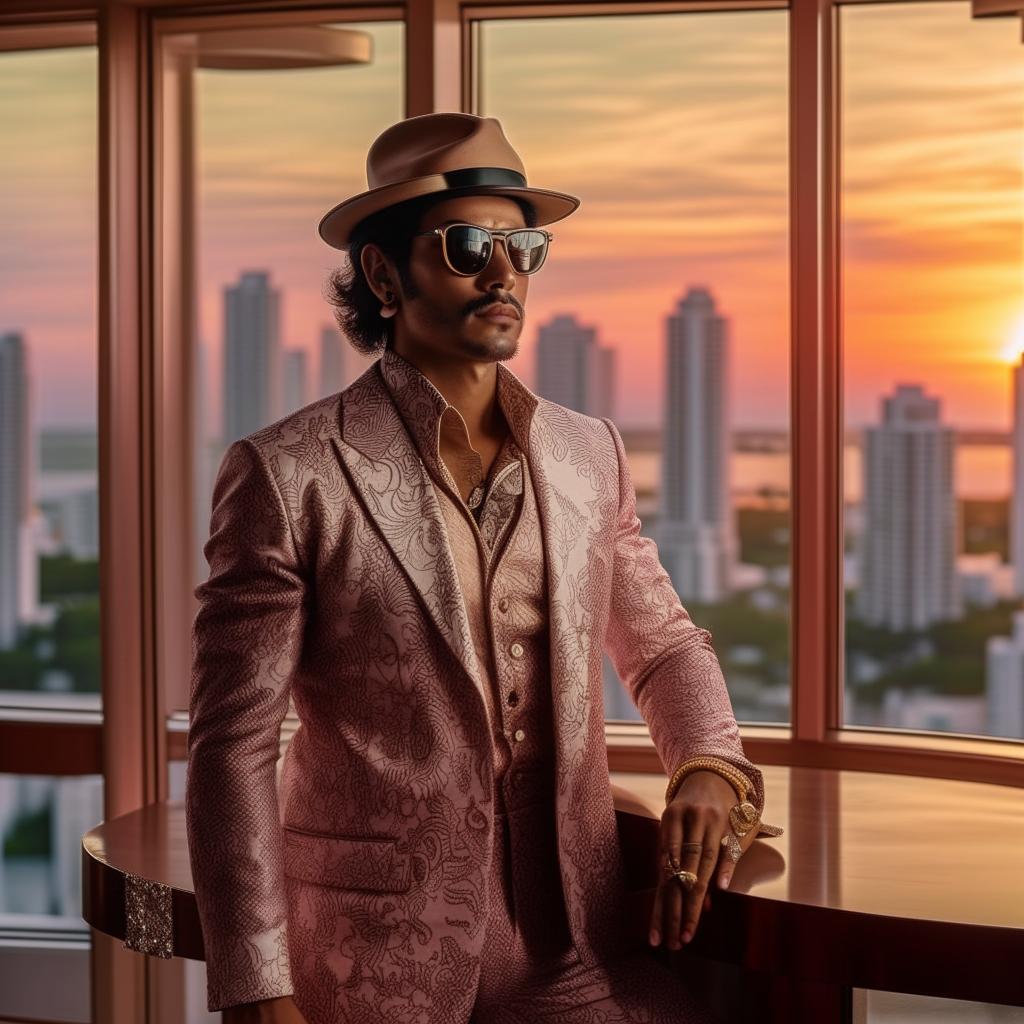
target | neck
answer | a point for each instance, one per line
(469, 385)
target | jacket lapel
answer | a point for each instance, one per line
(566, 494)
(395, 488)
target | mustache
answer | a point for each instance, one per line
(490, 300)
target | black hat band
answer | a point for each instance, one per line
(477, 176)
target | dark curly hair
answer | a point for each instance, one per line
(356, 307)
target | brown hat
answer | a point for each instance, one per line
(458, 154)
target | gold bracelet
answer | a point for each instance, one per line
(729, 772)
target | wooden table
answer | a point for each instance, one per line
(886, 882)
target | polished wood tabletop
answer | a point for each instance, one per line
(895, 845)
(892, 882)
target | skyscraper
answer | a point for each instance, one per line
(572, 368)
(207, 451)
(908, 545)
(252, 372)
(696, 532)
(1004, 682)
(296, 390)
(332, 362)
(18, 570)
(1017, 492)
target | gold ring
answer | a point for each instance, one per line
(691, 847)
(743, 817)
(687, 879)
(732, 846)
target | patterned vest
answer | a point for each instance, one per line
(494, 533)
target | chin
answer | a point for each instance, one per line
(497, 347)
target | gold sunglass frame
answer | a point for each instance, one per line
(492, 233)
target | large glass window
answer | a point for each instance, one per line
(49, 509)
(49, 505)
(664, 303)
(266, 129)
(42, 819)
(933, 324)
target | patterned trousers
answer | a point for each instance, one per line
(530, 970)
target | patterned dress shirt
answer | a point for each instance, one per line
(494, 533)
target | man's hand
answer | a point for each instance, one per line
(698, 815)
(281, 1010)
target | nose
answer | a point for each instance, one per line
(499, 268)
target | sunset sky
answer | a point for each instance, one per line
(672, 131)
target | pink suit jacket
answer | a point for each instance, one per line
(357, 879)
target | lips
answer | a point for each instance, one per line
(500, 310)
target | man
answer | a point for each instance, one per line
(431, 564)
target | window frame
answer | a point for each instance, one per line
(816, 735)
(443, 68)
(442, 65)
(143, 415)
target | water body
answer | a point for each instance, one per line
(983, 471)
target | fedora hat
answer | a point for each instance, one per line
(450, 153)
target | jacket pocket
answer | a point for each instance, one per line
(369, 863)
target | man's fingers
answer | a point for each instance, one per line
(691, 897)
(692, 839)
(708, 857)
(672, 911)
(668, 853)
(724, 870)
(726, 865)
(655, 926)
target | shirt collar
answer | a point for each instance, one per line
(422, 406)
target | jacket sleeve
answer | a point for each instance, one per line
(665, 661)
(246, 640)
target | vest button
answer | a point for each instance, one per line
(503, 604)
(513, 698)
(520, 734)
(517, 649)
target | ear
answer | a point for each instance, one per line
(376, 270)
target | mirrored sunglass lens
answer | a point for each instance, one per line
(469, 248)
(526, 250)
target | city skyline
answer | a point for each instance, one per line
(931, 278)
(665, 303)
(907, 462)
(312, 352)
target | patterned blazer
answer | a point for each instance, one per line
(358, 874)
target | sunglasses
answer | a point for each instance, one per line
(468, 248)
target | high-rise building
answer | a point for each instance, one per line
(1017, 491)
(908, 545)
(18, 566)
(696, 534)
(252, 373)
(1004, 682)
(332, 362)
(296, 390)
(78, 517)
(207, 451)
(572, 368)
